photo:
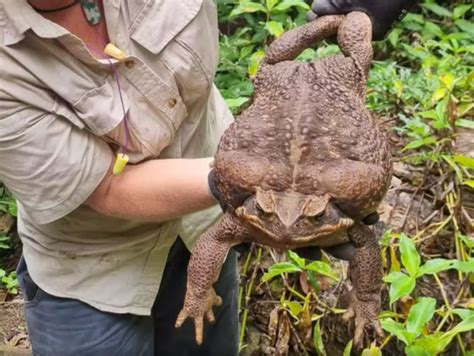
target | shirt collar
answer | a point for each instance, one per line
(17, 17)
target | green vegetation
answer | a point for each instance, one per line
(8, 280)
(421, 84)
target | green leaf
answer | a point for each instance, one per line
(396, 329)
(415, 350)
(348, 349)
(420, 314)
(270, 4)
(286, 4)
(393, 276)
(426, 141)
(280, 268)
(463, 326)
(401, 287)
(409, 255)
(464, 266)
(433, 344)
(464, 161)
(297, 260)
(254, 62)
(463, 313)
(460, 10)
(466, 123)
(294, 307)
(274, 28)
(372, 351)
(438, 10)
(318, 340)
(236, 102)
(321, 268)
(454, 166)
(313, 281)
(469, 183)
(439, 94)
(246, 7)
(433, 29)
(466, 26)
(434, 266)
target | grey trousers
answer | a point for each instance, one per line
(62, 327)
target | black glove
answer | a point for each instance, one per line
(383, 13)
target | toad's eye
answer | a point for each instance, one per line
(318, 215)
(261, 211)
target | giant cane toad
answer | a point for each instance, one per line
(302, 166)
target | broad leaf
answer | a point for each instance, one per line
(464, 266)
(434, 266)
(274, 28)
(393, 276)
(466, 123)
(372, 351)
(294, 307)
(270, 4)
(409, 255)
(286, 4)
(318, 340)
(460, 10)
(247, 7)
(280, 268)
(420, 314)
(464, 313)
(297, 260)
(465, 161)
(395, 329)
(321, 268)
(348, 349)
(437, 9)
(401, 287)
(416, 350)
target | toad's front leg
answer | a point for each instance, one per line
(203, 271)
(365, 272)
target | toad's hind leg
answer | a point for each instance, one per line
(203, 271)
(365, 273)
(293, 42)
(354, 38)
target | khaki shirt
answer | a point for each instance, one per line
(61, 123)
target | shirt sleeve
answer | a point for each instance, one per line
(50, 165)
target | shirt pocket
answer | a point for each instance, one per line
(185, 46)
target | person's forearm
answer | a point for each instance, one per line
(156, 190)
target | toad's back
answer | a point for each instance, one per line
(305, 115)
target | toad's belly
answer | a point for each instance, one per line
(291, 242)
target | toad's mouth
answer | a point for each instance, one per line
(321, 231)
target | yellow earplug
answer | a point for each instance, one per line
(120, 163)
(114, 52)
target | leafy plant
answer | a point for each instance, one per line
(403, 283)
(9, 281)
(419, 343)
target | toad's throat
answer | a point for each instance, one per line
(323, 230)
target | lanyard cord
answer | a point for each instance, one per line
(117, 80)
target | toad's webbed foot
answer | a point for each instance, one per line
(364, 313)
(198, 306)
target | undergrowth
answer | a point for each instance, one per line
(422, 82)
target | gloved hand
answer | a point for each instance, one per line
(383, 13)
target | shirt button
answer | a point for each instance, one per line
(172, 102)
(130, 63)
